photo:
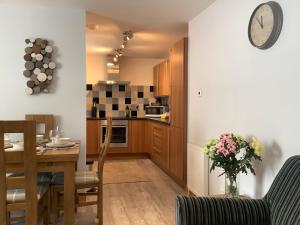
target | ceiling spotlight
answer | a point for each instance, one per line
(115, 59)
(123, 45)
(128, 35)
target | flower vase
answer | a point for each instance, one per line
(231, 186)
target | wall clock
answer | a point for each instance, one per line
(265, 25)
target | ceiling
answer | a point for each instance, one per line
(157, 24)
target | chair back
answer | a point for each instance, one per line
(23, 162)
(47, 120)
(284, 194)
(104, 148)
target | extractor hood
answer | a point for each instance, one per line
(112, 72)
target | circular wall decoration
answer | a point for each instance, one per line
(38, 58)
(265, 25)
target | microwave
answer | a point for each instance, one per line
(155, 111)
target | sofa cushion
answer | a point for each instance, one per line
(284, 194)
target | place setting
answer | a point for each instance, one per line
(57, 141)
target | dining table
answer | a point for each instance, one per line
(63, 160)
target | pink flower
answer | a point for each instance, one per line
(226, 145)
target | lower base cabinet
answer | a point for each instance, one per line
(137, 136)
(160, 144)
(177, 150)
(92, 137)
(148, 137)
(164, 144)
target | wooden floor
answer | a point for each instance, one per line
(136, 192)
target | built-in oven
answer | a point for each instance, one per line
(119, 137)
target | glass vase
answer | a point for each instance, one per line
(231, 186)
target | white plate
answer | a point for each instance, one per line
(60, 145)
(64, 140)
(8, 145)
(43, 141)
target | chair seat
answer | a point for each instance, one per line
(42, 178)
(81, 178)
(18, 195)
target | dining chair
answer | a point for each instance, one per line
(21, 193)
(46, 119)
(91, 180)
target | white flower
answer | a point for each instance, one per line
(241, 154)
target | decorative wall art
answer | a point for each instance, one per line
(39, 66)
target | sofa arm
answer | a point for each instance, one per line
(221, 211)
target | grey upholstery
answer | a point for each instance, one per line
(281, 205)
(81, 178)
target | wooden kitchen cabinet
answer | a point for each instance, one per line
(177, 157)
(161, 79)
(160, 144)
(148, 137)
(92, 137)
(178, 71)
(178, 110)
(155, 79)
(137, 135)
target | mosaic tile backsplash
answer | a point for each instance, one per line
(112, 100)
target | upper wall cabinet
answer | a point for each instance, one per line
(155, 79)
(161, 79)
(178, 71)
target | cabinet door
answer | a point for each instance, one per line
(177, 156)
(164, 81)
(155, 80)
(178, 72)
(137, 135)
(148, 137)
(92, 137)
(160, 144)
(167, 81)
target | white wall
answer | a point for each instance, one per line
(245, 90)
(95, 68)
(139, 71)
(65, 28)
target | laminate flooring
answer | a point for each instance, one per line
(136, 192)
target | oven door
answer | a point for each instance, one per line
(119, 135)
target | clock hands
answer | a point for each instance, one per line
(260, 22)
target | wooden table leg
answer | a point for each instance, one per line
(69, 194)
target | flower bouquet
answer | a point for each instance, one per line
(234, 154)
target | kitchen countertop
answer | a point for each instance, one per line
(159, 120)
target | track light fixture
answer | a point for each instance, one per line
(127, 35)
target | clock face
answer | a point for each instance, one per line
(265, 25)
(262, 25)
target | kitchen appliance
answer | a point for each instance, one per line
(112, 75)
(119, 137)
(155, 111)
